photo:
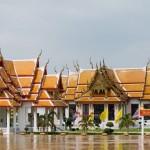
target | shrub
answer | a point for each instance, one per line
(108, 130)
(73, 129)
(26, 129)
(109, 124)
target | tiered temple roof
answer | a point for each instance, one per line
(108, 85)
(24, 81)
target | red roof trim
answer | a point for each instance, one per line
(22, 75)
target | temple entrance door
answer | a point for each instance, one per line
(98, 109)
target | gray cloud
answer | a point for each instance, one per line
(70, 30)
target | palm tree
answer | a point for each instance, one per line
(85, 123)
(41, 122)
(126, 121)
(51, 115)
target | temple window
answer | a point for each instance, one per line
(134, 108)
(85, 109)
(98, 109)
(147, 106)
(72, 110)
(111, 112)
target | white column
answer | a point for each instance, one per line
(46, 115)
(35, 120)
(14, 119)
(8, 120)
(67, 112)
(61, 117)
(142, 127)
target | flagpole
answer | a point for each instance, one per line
(142, 126)
(142, 123)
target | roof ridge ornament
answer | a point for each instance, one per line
(96, 66)
(148, 62)
(40, 54)
(47, 63)
(62, 70)
(91, 63)
(76, 66)
(1, 58)
(67, 67)
(103, 63)
(100, 64)
(55, 70)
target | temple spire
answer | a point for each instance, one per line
(1, 59)
(45, 72)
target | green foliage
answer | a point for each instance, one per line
(126, 122)
(108, 130)
(109, 124)
(51, 115)
(49, 122)
(68, 122)
(85, 123)
(26, 129)
(41, 122)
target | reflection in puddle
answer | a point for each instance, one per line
(73, 142)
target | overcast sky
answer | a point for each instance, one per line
(67, 30)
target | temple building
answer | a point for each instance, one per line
(27, 91)
(93, 90)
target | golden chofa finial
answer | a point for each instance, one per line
(100, 65)
(103, 63)
(76, 66)
(67, 67)
(96, 66)
(47, 63)
(91, 63)
(40, 54)
(62, 70)
(148, 62)
(55, 70)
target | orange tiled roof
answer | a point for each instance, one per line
(25, 67)
(69, 97)
(4, 75)
(25, 91)
(81, 88)
(50, 81)
(85, 76)
(32, 97)
(43, 103)
(70, 91)
(9, 103)
(136, 75)
(39, 75)
(72, 79)
(8, 64)
(35, 88)
(64, 82)
(2, 84)
(59, 103)
(97, 99)
(44, 95)
(25, 81)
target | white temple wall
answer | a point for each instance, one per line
(3, 117)
(23, 116)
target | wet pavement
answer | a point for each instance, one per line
(74, 142)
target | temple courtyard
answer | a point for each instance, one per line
(74, 142)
